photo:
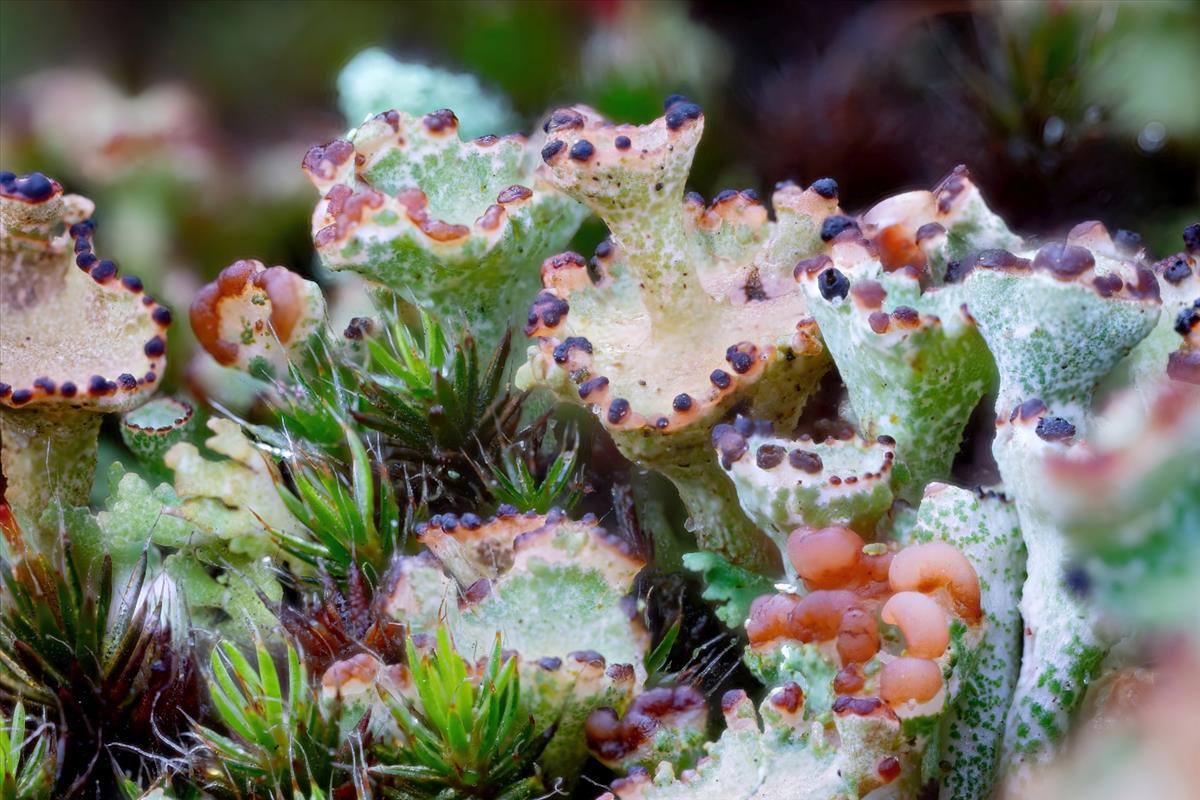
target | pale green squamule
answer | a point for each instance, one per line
(785, 484)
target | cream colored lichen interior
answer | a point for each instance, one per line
(674, 294)
(649, 367)
(59, 323)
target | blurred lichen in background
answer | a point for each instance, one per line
(374, 82)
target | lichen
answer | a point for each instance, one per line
(77, 342)
(913, 637)
(857, 705)
(1129, 505)
(374, 82)
(784, 484)
(902, 338)
(502, 574)
(232, 507)
(667, 723)
(257, 318)
(1179, 284)
(630, 334)
(447, 224)
(984, 526)
(1057, 320)
(154, 428)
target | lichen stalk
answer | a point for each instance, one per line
(1057, 321)
(454, 226)
(638, 194)
(49, 458)
(984, 526)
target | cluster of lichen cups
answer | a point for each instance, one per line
(853, 699)
(921, 634)
(926, 304)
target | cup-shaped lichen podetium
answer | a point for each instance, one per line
(559, 591)
(913, 362)
(374, 81)
(154, 428)
(1183, 365)
(76, 342)
(1056, 321)
(453, 226)
(685, 312)
(255, 318)
(776, 752)
(667, 723)
(785, 484)
(983, 525)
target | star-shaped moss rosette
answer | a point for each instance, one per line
(76, 342)
(111, 666)
(1057, 321)
(441, 724)
(558, 591)
(685, 312)
(349, 640)
(450, 225)
(783, 484)
(28, 761)
(257, 318)
(1129, 502)
(904, 343)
